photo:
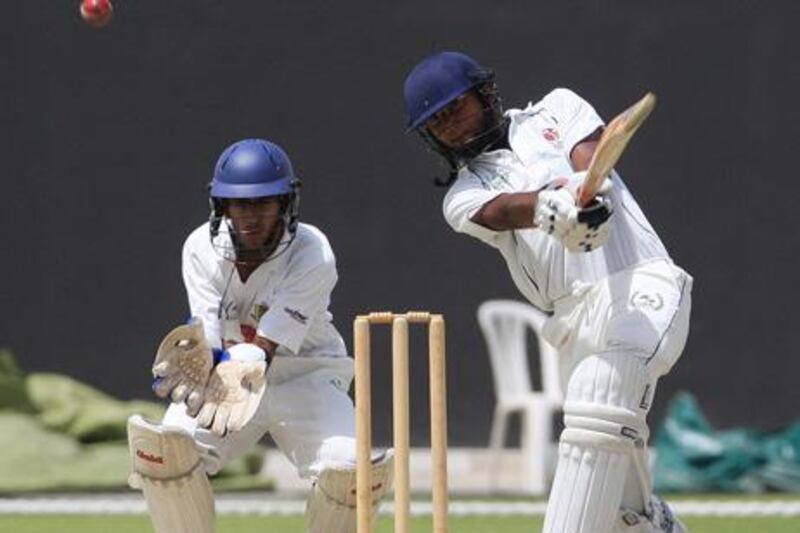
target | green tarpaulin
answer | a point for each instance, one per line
(59, 434)
(691, 456)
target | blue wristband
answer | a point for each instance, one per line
(220, 355)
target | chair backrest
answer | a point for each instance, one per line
(505, 325)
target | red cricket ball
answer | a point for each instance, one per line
(96, 13)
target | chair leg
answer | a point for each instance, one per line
(496, 442)
(498, 435)
(535, 440)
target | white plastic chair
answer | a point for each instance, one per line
(505, 325)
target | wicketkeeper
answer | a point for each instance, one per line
(260, 355)
(620, 306)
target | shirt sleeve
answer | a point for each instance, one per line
(576, 117)
(463, 200)
(299, 299)
(204, 298)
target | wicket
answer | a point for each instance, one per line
(400, 409)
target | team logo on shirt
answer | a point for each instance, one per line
(228, 310)
(550, 135)
(257, 311)
(297, 315)
(643, 300)
(248, 332)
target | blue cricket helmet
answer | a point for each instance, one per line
(253, 168)
(437, 80)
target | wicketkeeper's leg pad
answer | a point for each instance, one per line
(166, 466)
(332, 504)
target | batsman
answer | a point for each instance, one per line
(619, 305)
(260, 355)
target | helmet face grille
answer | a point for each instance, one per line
(495, 128)
(227, 244)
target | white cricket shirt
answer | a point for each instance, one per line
(285, 299)
(541, 137)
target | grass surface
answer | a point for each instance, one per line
(494, 524)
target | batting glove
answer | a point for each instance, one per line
(580, 230)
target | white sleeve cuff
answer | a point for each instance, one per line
(487, 235)
(579, 132)
(285, 327)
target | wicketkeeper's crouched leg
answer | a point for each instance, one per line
(331, 505)
(167, 467)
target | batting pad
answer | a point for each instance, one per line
(165, 465)
(332, 504)
(602, 454)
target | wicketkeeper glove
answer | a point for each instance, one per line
(234, 390)
(183, 364)
(222, 389)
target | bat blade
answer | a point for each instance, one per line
(612, 144)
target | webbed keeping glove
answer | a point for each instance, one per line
(183, 365)
(234, 390)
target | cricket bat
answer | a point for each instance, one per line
(612, 144)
